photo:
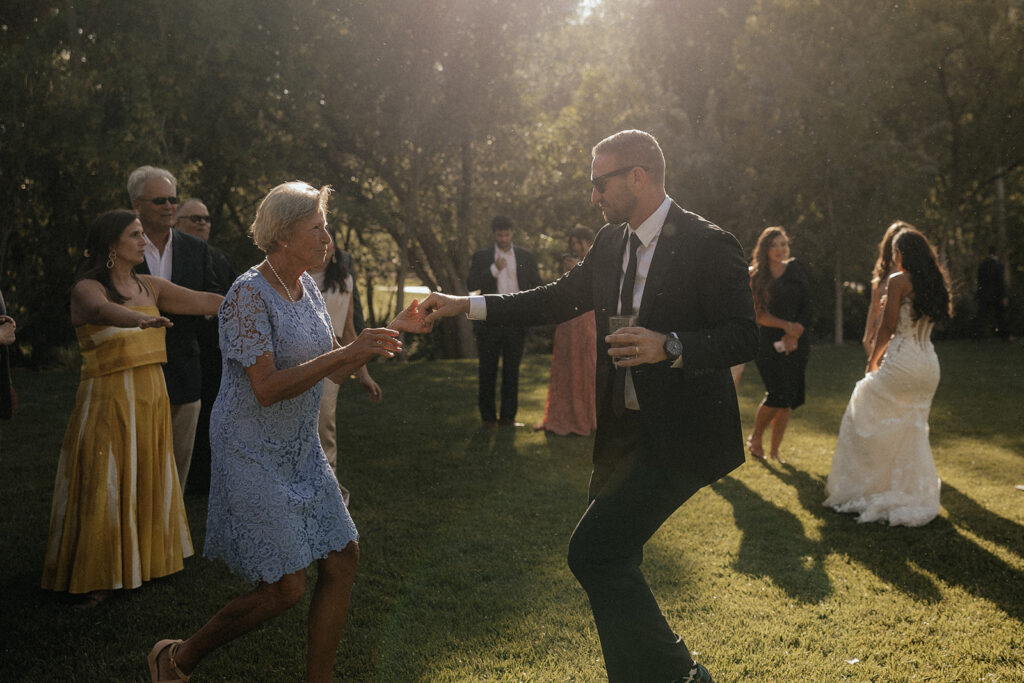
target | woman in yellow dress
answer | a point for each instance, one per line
(118, 518)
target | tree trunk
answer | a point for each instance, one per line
(837, 280)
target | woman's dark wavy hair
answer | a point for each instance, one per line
(335, 273)
(883, 264)
(760, 273)
(929, 279)
(100, 240)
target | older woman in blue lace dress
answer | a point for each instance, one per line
(275, 506)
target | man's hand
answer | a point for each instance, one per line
(411, 320)
(500, 263)
(437, 306)
(633, 346)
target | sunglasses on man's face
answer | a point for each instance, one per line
(199, 219)
(160, 201)
(601, 181)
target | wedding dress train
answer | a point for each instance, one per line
(883, 467)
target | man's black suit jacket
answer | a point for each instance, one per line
(192, 267)
(480, 276)
(697, 287)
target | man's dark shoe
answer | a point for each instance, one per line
(509, 422)
(698, 674)
(490, 424)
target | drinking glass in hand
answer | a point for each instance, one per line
(616, 323)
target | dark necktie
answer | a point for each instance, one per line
(625, 308)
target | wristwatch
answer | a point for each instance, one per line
(673, 347)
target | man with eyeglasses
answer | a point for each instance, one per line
(184, 260)
(194, 219)
(667, 419)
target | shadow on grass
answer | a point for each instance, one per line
(774, 544)
(904, 557)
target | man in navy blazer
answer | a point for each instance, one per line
(502, 268)
(184, 260)
(668, 423)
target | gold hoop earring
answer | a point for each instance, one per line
(110, 260)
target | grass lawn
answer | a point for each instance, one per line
(464, 533)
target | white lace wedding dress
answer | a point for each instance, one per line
(883, 467)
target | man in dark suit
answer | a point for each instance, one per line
(993, 301)
(186, 261)
(500, 269)
(668, 423)
(194, 219)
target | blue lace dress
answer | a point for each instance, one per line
(275, 505)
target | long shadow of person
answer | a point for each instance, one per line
(774, 544)
(903, 557)
(981, 521)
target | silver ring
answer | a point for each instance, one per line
(380, 342)
(636, 351)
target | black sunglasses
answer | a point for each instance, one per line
(601, 181)
(160, 201)
(199, 219)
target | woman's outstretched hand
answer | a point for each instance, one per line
(159, 321)
(377, 341)
(412, 319)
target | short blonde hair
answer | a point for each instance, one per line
(637, 148)
(282, 208)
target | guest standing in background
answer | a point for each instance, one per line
(879, 282)
(993, 301)
(194, 219)
(184, 260)
(782, 301)
(883, 468)
(570, 406)
(275, 506)
(335, 283)
(118, 518)
(500, 269)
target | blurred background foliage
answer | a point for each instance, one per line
(430, 116)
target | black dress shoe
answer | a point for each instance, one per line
(509, 422)
(698, 674)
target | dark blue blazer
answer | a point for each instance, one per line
(192, 267)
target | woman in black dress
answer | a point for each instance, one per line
(782, 301)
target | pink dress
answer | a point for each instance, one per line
(571, 407)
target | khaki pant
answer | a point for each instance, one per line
(184, 417)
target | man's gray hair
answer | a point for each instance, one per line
(137, 179)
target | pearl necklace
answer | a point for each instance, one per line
(287, 292)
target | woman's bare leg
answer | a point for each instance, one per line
(779, 423)
(237, 618)
(764, 416)
(328, 611)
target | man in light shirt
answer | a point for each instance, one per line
(500, 269)
(667, 419)
(184, 260)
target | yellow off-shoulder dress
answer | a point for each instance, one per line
(118, 518)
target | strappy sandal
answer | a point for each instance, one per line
(154, 658)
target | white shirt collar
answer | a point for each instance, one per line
(652, 225)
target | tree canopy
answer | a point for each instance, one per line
(430, 116)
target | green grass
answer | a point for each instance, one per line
(464, 532)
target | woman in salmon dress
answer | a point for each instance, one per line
(571, 407)
(118, 518)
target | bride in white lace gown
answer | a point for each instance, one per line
(883, 467)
